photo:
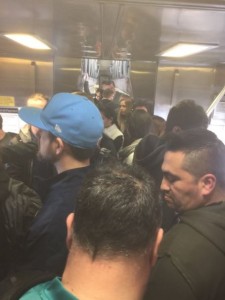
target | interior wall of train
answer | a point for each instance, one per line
(120, 40)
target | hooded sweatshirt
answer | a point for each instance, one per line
(149, 154)
(191, 261)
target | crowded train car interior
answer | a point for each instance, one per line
(126, 41)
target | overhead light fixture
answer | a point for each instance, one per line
(70, 69)
(28, 40)
(185, 49)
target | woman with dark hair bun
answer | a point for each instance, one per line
(139, 124)
(110, 124)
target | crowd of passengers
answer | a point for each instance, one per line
(87, 189)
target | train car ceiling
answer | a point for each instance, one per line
(106, 33)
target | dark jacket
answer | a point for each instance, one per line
(20, 159)
(149, 154)
(46, 243)
(7, 138)
(18, 207)
(191, 261)
(105, 152)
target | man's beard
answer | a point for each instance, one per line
(51, 157)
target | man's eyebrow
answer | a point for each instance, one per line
(169, 174)
(166, 173)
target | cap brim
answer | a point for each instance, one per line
(32, 116)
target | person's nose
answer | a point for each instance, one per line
(165, 185)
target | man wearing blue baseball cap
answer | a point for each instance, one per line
(69, 129)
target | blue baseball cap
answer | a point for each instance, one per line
(73, 118)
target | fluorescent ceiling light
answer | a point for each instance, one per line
(28, 41)
(70, 69)
(185, 49)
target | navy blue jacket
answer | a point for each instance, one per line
(46, 243)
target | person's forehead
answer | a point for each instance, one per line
(173, 160)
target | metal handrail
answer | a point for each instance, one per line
(215, 102)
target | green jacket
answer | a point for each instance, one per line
(51, 290)
(191, 262)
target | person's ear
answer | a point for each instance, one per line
(155, 247)
(69, 225)
(208, 183)
(59, 145)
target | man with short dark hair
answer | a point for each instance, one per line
(185, 115)
(69, 129)
(108, 94)
(114, 95)
(191, 261)
(150, 151)
(112, 238)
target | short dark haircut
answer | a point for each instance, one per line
(79, 154)
(186, 115)
(117, 212)
(159, 125)
(108, 82)
(139, 103)
(1, 122)
(204, 153)
(108, 110)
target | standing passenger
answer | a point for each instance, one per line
(149, 153)
(69, 129)
(125, 109)
(105, 85)
(139, 124)
(112, 239)
(191, 261)
(110, 124)
(20, 156)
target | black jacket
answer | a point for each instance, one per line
(20, 160)
(149, 154)
(191, 260)
(46, 242)
(18, 207)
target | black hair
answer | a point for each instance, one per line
(107, 93)
(186, 115)
(108, 110)
(79, 154)
(204, 153)
(117, 212)
(139, 124)
(139, 103)
(108, 82)
(159, 125)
